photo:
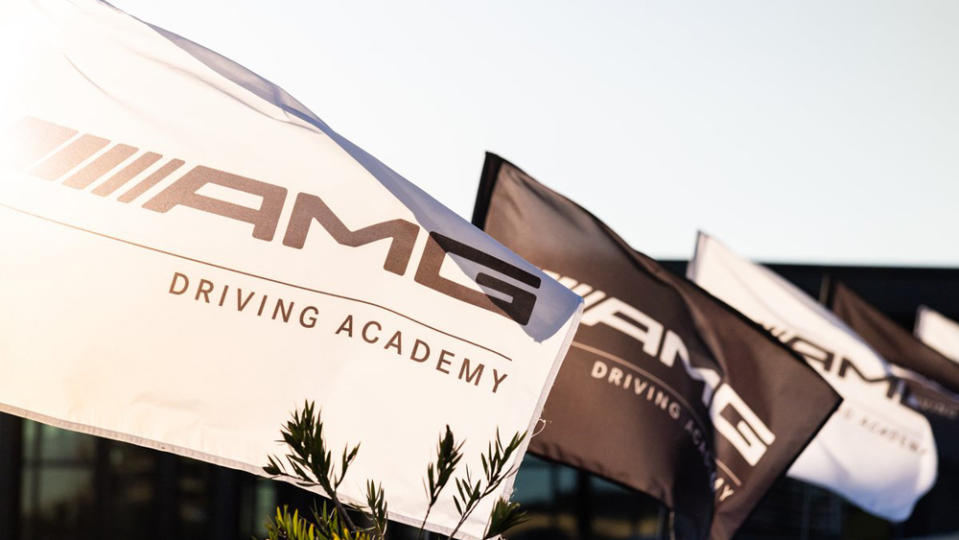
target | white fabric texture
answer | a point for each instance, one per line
(159, 289)
(938, 331)
(874, 451)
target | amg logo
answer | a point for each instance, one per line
(750, 436)
(827, 361)
(54, 153)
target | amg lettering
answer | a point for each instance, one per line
(892, 382)
(519, 308)
(749, 435)
(183, 192)
(48, 151)
(402, 234)
(829, 362)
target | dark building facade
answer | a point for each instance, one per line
(56, 484)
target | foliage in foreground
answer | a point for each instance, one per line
(311, 464)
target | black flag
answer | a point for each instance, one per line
(665, 388)
(891, 341)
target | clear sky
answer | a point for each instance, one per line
(801, 132)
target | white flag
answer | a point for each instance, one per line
(874, 451)
(188, 254)
(938, 331)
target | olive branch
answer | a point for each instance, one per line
(310, 463)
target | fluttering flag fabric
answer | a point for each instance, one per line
(921, 369)
(938, 331)
(891, 341)
(875, 451)
(188, 254)
(665, 389)
(930, 377)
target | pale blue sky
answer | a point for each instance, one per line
(813, 132)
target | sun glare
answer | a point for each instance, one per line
(18, 42)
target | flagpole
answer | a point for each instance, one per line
(806, 512)
(663, 531)
(824, 288)
(825, 284)
(583, 509)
